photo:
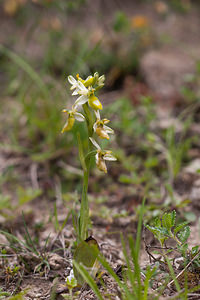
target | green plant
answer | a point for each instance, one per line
(24, 196)
(3, 294)
(87, 99)
(165, 228)
(91, 105)
(174, 148)
(27, 245)
(19, 296)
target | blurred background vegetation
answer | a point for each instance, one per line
(42, 42)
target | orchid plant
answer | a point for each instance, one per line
(89, 105)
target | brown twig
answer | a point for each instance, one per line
(172, 281)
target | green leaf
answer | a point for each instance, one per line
(14, 240)
(5, 201)
(183, 249)
(190, 216)
(180, 227)
(26, 195)
(71, 282)
(184, 234)
(167, 220)
(159, 232)
(125, 179)
(121, 22)
(19, 296)
(21, 63)
(194, 250)
(157, 222)
(86, 253)
(123, 286)
(173, 218)
(3, 294)
(88, 278)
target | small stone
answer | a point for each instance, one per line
(165, 72)
(56, 262)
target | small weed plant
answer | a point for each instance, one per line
(164, 229)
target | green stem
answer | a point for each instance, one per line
(175, 238)
(70, 293)
(84, 211)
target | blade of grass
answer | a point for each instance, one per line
(56, 223)
(88, 278)
(171, 270)
(27, 68)
(122, 286)
(139, 228)
(149, 274)
(65, 220)
(12, 237)
(130, 273)
(28, 237)
(135, 257)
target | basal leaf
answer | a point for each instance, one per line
(86, 253)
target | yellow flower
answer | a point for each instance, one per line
(72, 116)
(92, 80)
(102, 156)
(84, 89)
(100, 128)
(139, 21)
(10, 7)
(87, 82)
(77, 86)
